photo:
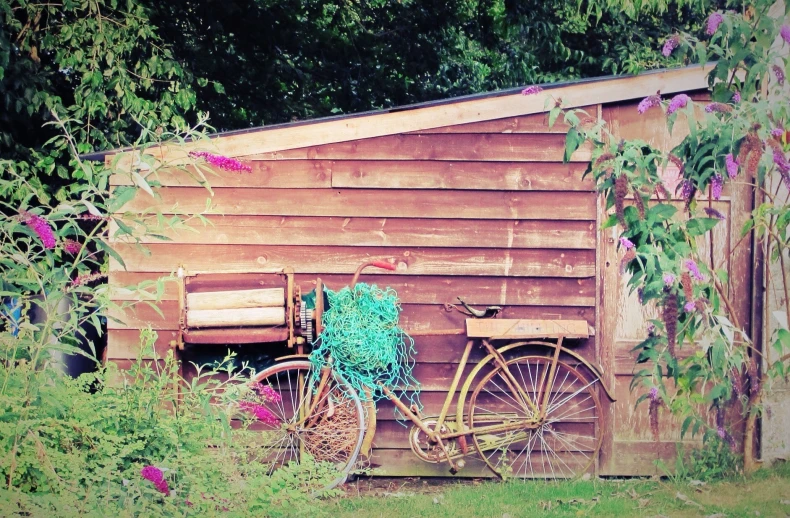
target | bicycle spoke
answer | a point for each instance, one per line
(566, 440)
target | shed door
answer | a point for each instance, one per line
(629, 447)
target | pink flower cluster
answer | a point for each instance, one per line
(85, 279)
(155, 475)
(694, 269)
(626, 243)
(41, 227)
(670, 45)
(686, 189)
(732, 165)
(678, 102)
(653, 394)
(714, 20)
(669, 279)
(268, 393)
(779, 73)
(713, 213)
(223, 162)
(260, 412)
(717, 184)
(648, 102)
(71, 247)
(531, 90)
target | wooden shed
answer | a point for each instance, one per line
(467, 197)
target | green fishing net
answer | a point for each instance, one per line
(361, 336)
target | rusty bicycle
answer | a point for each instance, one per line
(530, 408)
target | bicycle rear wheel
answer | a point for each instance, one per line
(332, 434)
(561, 441)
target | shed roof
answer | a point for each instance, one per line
(458, 110)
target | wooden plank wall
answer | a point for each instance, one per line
(486, 211)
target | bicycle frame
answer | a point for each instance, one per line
(538, 408)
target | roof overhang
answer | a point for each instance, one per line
(462, 110)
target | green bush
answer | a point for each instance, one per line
(77, 446)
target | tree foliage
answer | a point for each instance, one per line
(99, 62)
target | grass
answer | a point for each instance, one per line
(767, 493)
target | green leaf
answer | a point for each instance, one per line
(783, 342)
(572, 142)
(110, 250)
(553, 115)
(700, 226)
(662, 211)
(140, 181)
(120, 197)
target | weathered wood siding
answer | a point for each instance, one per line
(486, 211)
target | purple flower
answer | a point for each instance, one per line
(648, 102)
(85, 279)
(223, 162)
(779, 73)
(732, 165)
(721, 432)
(785, 33)
(736, 97)
(670, 45)
(669, 279)
(152, 473)
(713, 213)
(717, 183)
(41, 227)
(653, 394)
(267, 392)
(686, 189)
(714, 20)
(271, 395)
(531, 90)
(678, 102)
(694, 269)
(626, 243)
(690, 306)
(777, 132)
(155, 475)
(781, 162)
(71, 247)
(260, 412)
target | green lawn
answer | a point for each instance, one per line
(765, 494)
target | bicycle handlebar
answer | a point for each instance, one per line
(378, 264)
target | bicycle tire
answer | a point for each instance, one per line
(334, 434)
(561, 442)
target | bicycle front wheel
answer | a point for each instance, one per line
(549, 423)
(332, 435)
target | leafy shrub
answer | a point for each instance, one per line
(77, 446)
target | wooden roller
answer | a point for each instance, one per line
(235, 317)
(260, 298)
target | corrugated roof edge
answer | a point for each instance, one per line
(100, 155)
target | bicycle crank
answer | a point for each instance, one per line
(430, 451)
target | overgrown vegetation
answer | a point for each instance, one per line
(701, 359)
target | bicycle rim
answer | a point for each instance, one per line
(561, 442)
(332, 434)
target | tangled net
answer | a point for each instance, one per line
(362, 337)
